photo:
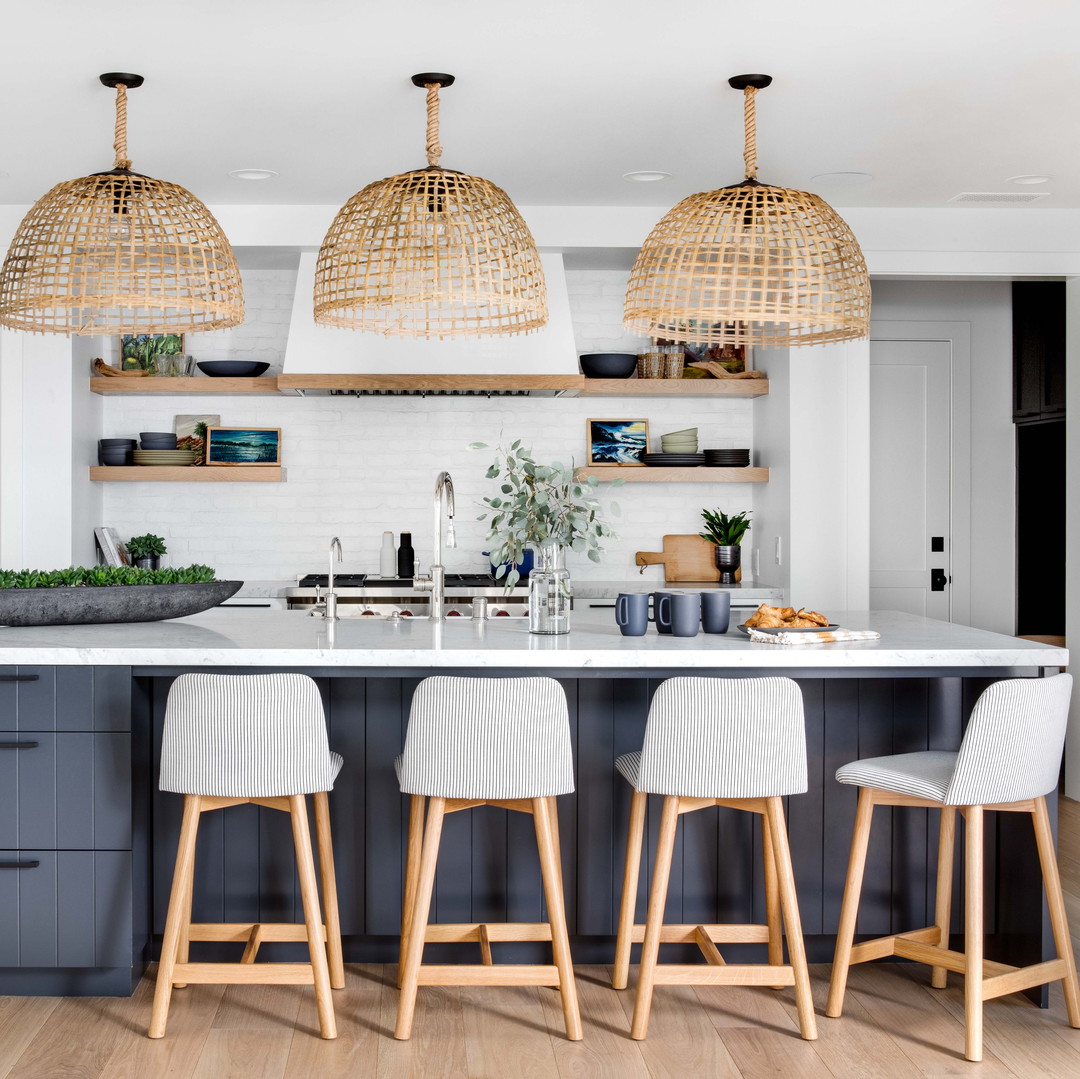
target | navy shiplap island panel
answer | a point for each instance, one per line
(93, 914)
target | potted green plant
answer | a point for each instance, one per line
(726, 534)
(146, 551)
(544, 507)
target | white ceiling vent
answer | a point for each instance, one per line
(998, 198)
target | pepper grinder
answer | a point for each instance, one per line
(387, 556)
(406, 557)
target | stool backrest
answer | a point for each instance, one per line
(491, 738)
(245, 736)
(1013, 743)
(725, 738)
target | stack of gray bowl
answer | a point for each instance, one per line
(157, 440)
(115, 451)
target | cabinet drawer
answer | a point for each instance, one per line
(65, 908)
(65, 698)
(65, 791)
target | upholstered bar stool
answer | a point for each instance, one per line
(230, 740)
(735, 742)
(1008, 762)
(484, 741)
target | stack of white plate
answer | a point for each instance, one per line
(163, 457)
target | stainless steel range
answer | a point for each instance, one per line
(368, 595)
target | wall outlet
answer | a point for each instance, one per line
(779, 553)
(755, 561)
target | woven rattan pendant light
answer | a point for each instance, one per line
(750, 264)
(431, 253)
(118, 252)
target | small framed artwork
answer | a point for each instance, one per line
(191, 432)
(243, 445)
(617, 442)
(141, 351)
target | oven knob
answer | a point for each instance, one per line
(453, 614)
(367, 614)
(502, 614)
(406, 614)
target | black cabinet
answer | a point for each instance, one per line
(1038, 351)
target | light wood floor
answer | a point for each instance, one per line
(894, 1025)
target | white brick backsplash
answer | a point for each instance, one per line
(358, 467)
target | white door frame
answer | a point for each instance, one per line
(958, 336)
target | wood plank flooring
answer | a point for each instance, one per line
(894, 1027)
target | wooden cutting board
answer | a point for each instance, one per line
(684, 558)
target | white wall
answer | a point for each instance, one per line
(990, 490)
(358, 466)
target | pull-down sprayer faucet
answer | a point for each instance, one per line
(436, 582)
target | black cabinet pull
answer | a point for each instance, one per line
(19, 677)
(19, 745)
(20, 865)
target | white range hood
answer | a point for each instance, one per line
(323, 351)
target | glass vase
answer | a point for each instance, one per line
(549, 592)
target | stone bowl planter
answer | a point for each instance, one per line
(110, 603)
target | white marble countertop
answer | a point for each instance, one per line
(242, 637)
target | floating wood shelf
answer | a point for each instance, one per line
(110, 385)
(647, 474)
(671, 387)
(189, 473)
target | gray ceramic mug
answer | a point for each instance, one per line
(663, 623)
(632, 613)
(715, 611)
(682, 611)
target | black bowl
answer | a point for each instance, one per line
(156, 436)
(608, 364)
(115, 459)
(117, 442)
(231, 368)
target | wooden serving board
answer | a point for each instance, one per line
(684, 558)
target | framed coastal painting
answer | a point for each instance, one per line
(243, 445)
(617, 442)
(141, 351)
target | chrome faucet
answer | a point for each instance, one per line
(330, 599)
(436, 582)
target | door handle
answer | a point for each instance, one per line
(18, 745)
(19, 677)
(938, 580)
(32, 864)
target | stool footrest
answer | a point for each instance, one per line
(730, 974)
(882, 947)
(496, 974)
(473, 932)
(1024, 978)
(934, 956)
(240, 932)
(718, 934)
(245, 973)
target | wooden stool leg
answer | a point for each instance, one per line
(182, 877)
(412, 875)
(654, 920)
(632, 867)
(939, 976)
(1055, 901)
(772, 899)
(418, 930)
(789, 903)
(973, 933)
(560, 941)
(849, 911)
(309, 892)
(328, 880)
(183, 947)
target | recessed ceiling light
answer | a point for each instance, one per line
(646, 177)
(843, 179)
(253, 174)
(1034, 178)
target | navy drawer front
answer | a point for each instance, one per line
(65, 791)
(65, 699)
(65, 908)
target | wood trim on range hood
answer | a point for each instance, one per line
(433, 383)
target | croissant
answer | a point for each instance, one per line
(812, 616)
(802, 623)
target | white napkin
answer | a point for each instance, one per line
(827, 636)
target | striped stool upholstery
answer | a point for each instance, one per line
(229, 740)
(1008, 761)
(735, 742)
(484, 741)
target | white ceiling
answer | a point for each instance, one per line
(555, 99)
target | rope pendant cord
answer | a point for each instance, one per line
(434, 147)
(120, 138)
(750, 132)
